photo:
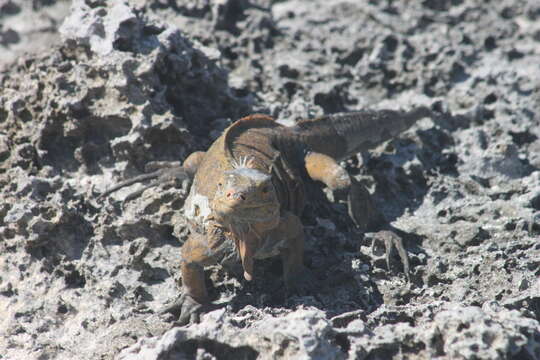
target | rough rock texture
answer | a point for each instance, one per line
(142, 83)
(29, 26)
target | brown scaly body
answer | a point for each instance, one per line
(248, 192)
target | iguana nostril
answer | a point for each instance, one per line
(232, 195)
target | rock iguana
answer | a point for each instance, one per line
(247, 194)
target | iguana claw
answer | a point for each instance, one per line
(186, 308)
(393, 241)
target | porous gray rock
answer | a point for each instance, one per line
(303, 334)
(490, 332)
(29, 27)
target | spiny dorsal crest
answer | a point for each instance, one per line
(243, 162)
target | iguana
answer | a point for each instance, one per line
(248, 192)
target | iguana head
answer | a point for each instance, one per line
(245, 200)
(245, 195)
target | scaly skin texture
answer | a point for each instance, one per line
(247, 194)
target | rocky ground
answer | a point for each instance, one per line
(121, 87)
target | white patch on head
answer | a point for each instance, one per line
(197, 207)
(253, 174)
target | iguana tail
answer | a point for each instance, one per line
(344, 134)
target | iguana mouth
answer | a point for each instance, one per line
(246, 213)
(245, 206)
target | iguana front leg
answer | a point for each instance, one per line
(361, 209)
(325, 169)
(297, 278)
(196, 253)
